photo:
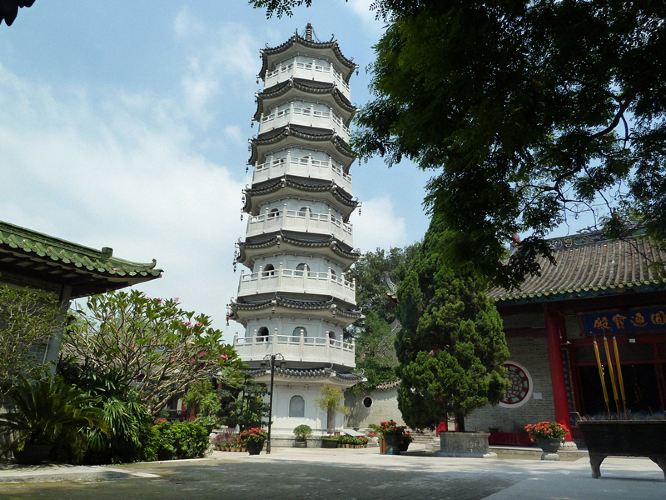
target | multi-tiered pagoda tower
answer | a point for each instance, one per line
(295, 300)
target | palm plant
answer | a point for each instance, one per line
(48, 412)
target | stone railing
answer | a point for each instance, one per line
(304, 166)
(297, 348)
(306, 117)
(302, 221)
(307, 71)
(297, 281)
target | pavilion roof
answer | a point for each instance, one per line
(27, 257)
(592, 265)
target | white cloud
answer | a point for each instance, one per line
(362, 9)
(119, 174)
(378, 226)
(226, 61)
(233, 132)
(185, 24)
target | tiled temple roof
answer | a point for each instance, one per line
(29, 253)
(590, 264)
(388, 385)
(304, 86)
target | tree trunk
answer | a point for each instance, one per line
(330, 420)
(460, 422)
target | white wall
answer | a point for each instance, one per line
(285, 326)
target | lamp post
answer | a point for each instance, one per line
(271, 358)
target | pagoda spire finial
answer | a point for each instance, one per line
(308, 32)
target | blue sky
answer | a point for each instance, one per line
(125, 124)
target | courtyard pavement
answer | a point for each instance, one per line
(293, 473)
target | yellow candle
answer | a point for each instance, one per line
(611, 372)
(619, 374)
(601, 374)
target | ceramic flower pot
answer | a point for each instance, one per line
(393, 442)
(548, 445)
(254, 447)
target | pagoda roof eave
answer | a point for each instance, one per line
(286, 243)
(303, 138)
(347, 65)
(338, 195)
(305, 87)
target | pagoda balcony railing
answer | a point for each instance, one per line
(297, 281)
(307, 71)
(302, 221)
(306, 117)
(304, 166)
(297, 348)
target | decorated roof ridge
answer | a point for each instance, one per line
(336, 245)
(306, 86)
(309, 373)
(27, 241)
(297, 304)
(272, 186)
(388, 385)
(276, 135)
(298, 39)
(591, 264)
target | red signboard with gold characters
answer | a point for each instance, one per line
(634, 321)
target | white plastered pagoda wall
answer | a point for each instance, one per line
(293, 297)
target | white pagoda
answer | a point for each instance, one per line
(295, 300)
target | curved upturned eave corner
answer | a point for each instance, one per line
(298, 42)
(277, 139)
(295, 86)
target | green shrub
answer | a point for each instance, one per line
(302, 432)
(180, 440)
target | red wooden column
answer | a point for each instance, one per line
(556, 369)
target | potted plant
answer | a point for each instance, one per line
(329, 441)
(302, 433)
(406, 441)
(392, 434)
(547, 435)
(253, 439)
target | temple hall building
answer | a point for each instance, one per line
(294, 300)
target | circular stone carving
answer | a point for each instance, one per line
(367, 402)
(520, 388)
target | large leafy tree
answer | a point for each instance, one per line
(150, 344)
(451, 346)
(28, 318)
(529, 112)
(376, 274)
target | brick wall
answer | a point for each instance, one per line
(532, 353)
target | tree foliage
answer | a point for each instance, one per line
(530, 113)
(451, 346)
(375, 351)
(28, 318)
(245, 405)
(153, 345)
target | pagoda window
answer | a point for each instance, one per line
(262, 334)
(302, 269)
(304, 212)
(297, 407)
(334, 275)
(273, 213)
(331, 336)
(269, 270)
(297, 333)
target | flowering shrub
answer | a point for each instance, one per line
(407, 437)
(546, 429)
(390, 427)
(253, 435)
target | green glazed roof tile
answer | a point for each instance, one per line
(592, 264)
